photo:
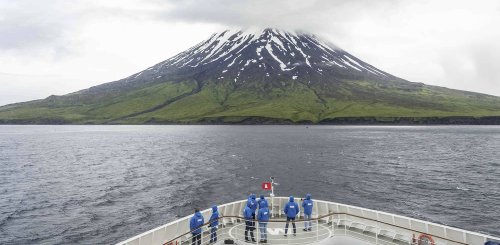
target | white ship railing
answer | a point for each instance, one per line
(334, 219)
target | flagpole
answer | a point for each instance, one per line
(272, 195)
(272, 186)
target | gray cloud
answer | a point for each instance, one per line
(476, 66)
(313, 15)
(451, 43)
(33, 26)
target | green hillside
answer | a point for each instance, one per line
(222, 102)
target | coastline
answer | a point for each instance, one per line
(403, 121)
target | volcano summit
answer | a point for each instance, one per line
(265, 76)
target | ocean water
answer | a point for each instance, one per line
(103, 184)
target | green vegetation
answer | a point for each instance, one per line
(224, 102)
(73, 108)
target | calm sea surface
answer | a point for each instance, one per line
(103, 184)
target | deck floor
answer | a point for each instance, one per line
(322, 234)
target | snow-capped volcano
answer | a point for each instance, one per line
(261, 55)
(265, 76)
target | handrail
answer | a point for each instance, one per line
(317, 219)
(209, 222)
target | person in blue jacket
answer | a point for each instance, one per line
(195, 226)
(307, 205)
(291, 210)
(262, 201)
(214, 222)
(263, 218)
(253, 204)
(249, 222)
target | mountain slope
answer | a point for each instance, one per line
(256, 77)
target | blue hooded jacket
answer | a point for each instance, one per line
(252, 202)
(263, 215)
(291, 208)
(307, 204)
(196, 222)
(214, 219)
(247, 212)
(262, 201)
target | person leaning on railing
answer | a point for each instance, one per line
(291, 210)
(263, 218)
(195, 226)
(307, 205)
(214, 222)
(249, 222)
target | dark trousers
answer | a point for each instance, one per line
(196, 238)
(249, 227)
(213, 234)
(288, 219)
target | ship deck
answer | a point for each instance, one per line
(320, 234)
(332, 223)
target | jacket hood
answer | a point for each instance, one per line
(291, 198)
(308, 196)
(197, 214)
(253, 196)
(214, 208)
(261, 196)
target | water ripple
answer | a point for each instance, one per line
(103, 184)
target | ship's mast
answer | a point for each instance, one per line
(272, 196)
(272, 186)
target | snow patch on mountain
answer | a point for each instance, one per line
(273, 52)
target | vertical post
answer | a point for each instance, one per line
(333, 229)
(272, 206)
(272, 187)
(257, 227)
(317, 230)
(345, 225)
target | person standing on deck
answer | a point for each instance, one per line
(195, 225)
(263, 218)
(253, 204)
(291, 210)
(249, 222)
(307, 205)
(214, 222)
(261, 201)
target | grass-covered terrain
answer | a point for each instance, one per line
(280, 102)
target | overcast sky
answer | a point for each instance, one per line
(59, 46)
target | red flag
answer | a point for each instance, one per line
(266, 185)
